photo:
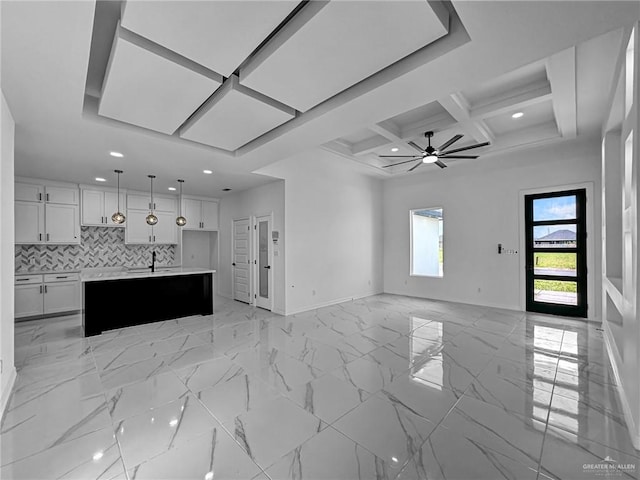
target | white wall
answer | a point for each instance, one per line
(196, 248)
(483, 206)
(7, 376)
(257, 201)
(333, 230)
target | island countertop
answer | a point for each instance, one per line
(93, 276)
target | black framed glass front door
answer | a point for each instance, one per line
(556, 245)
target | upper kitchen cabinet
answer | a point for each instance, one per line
(46, 213)
(99, 205)
(136, 229)
(200, 214)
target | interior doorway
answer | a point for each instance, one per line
(556, 253)
(241, 260)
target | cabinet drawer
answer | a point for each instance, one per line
(61, 277)
(28, 279)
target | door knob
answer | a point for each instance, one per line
(234, 264)
(268, 267)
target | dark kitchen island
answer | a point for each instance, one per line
(122, 299)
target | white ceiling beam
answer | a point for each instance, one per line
(436, 123)
(561, 70)
(458, 107)
(388, 130)
(532, 94)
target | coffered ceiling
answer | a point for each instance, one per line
(232, 86)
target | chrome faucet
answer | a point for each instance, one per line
(153, 262)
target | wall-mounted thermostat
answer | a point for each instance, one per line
(275, 235)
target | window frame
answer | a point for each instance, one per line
(411, 214)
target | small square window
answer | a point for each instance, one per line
(427, 254)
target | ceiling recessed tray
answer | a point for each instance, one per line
(217, 34)
(234, 116)
(147, 86)
(330, 46)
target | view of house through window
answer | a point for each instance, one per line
(426, 242)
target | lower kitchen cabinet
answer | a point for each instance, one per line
(46, 294)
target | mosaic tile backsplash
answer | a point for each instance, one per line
(100, 247)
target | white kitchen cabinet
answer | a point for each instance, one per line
(61, 296)
(98, 206)
(61, 224)
(61, 195)
(29, 222)
(200, 214)
(142, 202)
(46, 214)
(29, 300)
(45, 294)
(28, 192)
(163, 232)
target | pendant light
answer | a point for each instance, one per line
(151, 218)
(180, 221)
(118, 217)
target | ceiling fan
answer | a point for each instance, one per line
(434, 155)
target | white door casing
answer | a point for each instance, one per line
(263, 271)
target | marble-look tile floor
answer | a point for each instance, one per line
(386, 387)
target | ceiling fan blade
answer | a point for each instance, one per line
(440, 164)
(399, 156)
(415, 166)
(455, 150)
(458, 156)
(399, 163)
(416, 146)
(451, 141)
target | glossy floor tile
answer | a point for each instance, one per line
(386, 387)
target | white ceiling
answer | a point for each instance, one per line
(492, 53)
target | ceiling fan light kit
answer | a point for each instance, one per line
(434, 155)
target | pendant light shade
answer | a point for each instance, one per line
(118, 218)
(151, 218)
(180, 221)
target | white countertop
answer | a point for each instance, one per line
(93, 276)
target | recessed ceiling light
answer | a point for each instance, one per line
(173, 189)
(226, 189)
(100, 179)
(208, 172)
(517, 115)
(116, 154)
(395, 149)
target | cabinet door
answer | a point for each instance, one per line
(138, 202)
(92, 207)
(29, 193)
(61, 297)
(166, 230)
(62, 225)
(136, 228)
(29, 222)
(192, 211)
(111, 206)
(62, 195)
(164, 204)
(209, 215)
(28, 300)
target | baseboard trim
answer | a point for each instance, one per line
(7, 392)
(331, 302)
(613, 354)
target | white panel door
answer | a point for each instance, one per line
(264, 272)
(191, 209)
(61, 297)
(136, 228)
(29, 222)
(209, 215)
(29, 193)
(28, 300)
(241, 258)
(92, 207)
(166, 230)
(62, 223)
